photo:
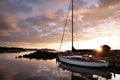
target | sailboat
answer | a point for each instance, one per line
(81, 60)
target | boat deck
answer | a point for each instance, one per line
(84, 59)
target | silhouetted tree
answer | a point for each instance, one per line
(105, 48)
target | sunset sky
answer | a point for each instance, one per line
(39, 23)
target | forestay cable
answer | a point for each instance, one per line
(65, 26)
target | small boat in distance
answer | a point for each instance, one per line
(81, 60)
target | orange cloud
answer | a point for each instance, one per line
(8, 25)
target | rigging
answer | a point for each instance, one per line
(65, 25)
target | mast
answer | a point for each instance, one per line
(72, 24)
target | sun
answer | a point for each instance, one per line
(98, 49)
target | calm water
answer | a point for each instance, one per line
(31, 69)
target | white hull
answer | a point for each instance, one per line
(83, 63)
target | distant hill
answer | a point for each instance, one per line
(16, 49)
(11, 49)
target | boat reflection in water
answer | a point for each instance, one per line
(84, 73)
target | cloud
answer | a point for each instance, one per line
(10, 13)
(106, 3)
(42, 21)
(96, 21)
(38, 20)
(6, 25)
(14, 7)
